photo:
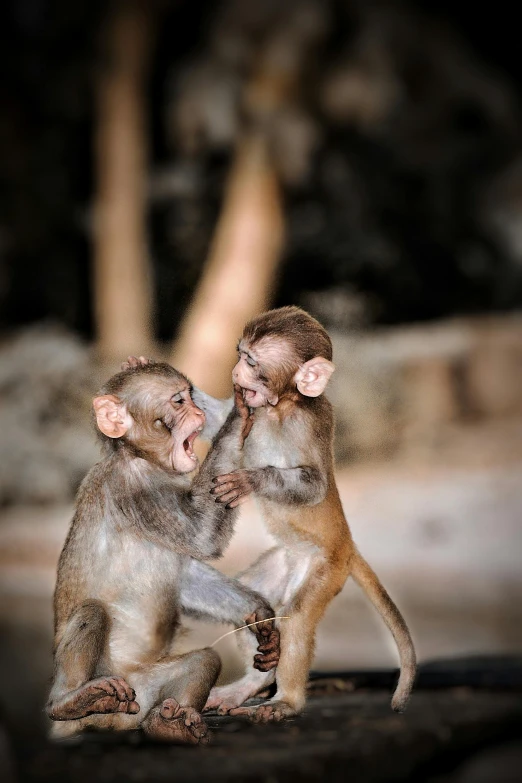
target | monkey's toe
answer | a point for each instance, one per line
(171, 722)
(101, 696)
(129, 707)
(275, 711)
(121, 688)
(171, 709)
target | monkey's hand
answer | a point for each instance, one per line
(136, 361)
(268, 640)
(232, 489)
(245, 413)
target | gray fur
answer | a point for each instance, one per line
(230, 599)
(128, 570)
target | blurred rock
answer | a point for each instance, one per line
(417, 388)
(47, 380)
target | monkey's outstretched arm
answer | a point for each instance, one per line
(224, 457)
(216, 412)
(208, 594)
(186, 519)
(216, 519)
(304, 485)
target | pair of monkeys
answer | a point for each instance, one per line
(132, 562)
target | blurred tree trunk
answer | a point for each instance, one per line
(238, 277)
(122, 284)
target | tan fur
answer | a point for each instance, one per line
(288, 464)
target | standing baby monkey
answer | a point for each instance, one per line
(131, 565)
(283, 368)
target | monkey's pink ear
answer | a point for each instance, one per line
(312, 377)
(112, 417)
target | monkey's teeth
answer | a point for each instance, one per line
(188, 442)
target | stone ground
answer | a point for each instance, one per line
(457, 735)
(445, 536)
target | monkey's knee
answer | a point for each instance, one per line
(209, 660)
(80, 647)
(89, 617)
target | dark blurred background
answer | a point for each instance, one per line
(170, 168)
(397, 148)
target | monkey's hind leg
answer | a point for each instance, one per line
(76, 692)
(184, 684)
(227, 697)
(297, 650)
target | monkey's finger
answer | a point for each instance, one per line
(241, 499)
(238, 397)
(266, 629)
(271, 644)
(229, 496)
(131, 362)
(273, 656)
(235, 476)
(265, 667)
(222, 488)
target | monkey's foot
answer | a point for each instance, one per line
(227, 697)
(170, 722)
(101, 696)
(264, 713)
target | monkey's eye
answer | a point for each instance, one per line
(177, 398)
(250, 361)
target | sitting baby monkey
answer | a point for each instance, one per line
(131, 565)
(283, 368)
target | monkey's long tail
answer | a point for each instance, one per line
(368, 580)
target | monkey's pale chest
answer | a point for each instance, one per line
(269, 443)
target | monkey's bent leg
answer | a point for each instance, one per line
(305, 610)
(181, 686)
(227, 697)
(269, 576)
(297, 650)
(76, 692)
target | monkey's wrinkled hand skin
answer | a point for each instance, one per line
(136, 361)
(245, 413)
(268, 638)
(232, 489)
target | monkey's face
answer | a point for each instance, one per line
(154, 412)
(174, 423)
(263, 370)
(271, 367)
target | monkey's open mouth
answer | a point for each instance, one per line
(249, 395)
(253, 398)
(188, 443)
